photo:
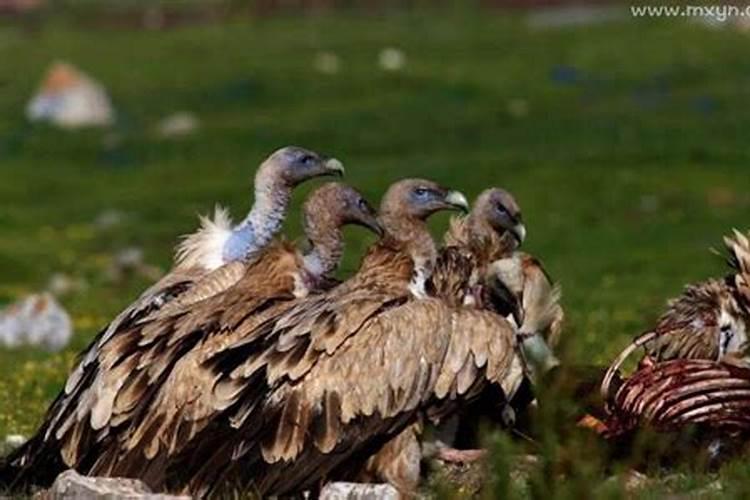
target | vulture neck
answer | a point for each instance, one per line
(485, 242)
(410, 235)
(262, 223)
(326, 248)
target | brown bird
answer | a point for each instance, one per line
(465, 275)
(708, 321)
(134, 364)
(493, 230)
(331, 376)
(214, 257)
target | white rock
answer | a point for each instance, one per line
(71, 485)
(36, 320)
(70, 99)
(358, 491)
(180, 124)
(392, 59)
(15, 440)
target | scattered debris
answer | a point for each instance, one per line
(36, 320)
(392, 59)
(518, 108)
(14, 440)
(327, 63)
(60, 284)
(70, 484)
(130, 261)
(70, 99)
(108, 219)
(176, 125)
(574, 15)
(359, 491)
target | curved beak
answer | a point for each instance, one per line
(519, 232)
(375, 227)
(457, 200)
(334, 167)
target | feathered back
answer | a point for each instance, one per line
(739, 259)
(204, 247)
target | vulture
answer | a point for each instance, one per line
(309, 386)
(133, 364)
(709, 321)
(476, 269)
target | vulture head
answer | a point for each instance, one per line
(326, 211)
(292, 165)
(335, 205)
(420, 198)
(496, 209)
(732, 325)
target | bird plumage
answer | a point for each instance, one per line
(299, 384)
(134, 363)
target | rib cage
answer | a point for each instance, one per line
(673, 394)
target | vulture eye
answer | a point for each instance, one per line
(421, 192)
(362, 204)
(307, 160)
(502, 210)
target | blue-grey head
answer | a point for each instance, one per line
(420, 198)
(292, 165)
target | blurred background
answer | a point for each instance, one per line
(624, 140)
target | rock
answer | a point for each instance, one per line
(327, 63)
(392, 59)
(37, 320)
(358, 491)
(71, 485)
(60, 284)
(129, 261)
(70, 99)
(180, 124)
(13, 441)
(108, 219)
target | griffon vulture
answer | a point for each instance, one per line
(708, 321)
(133, 365)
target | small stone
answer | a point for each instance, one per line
(358, 491)
(392, 59)
(176, 125)
(327, 63)
(60, 284)
(70, 484)
(108, 219)
(14, 440)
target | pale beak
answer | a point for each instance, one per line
(519, 232)
(335, 167)
(458, 200)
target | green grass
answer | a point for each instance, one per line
(627, 175)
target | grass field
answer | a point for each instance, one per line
(625, 144)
